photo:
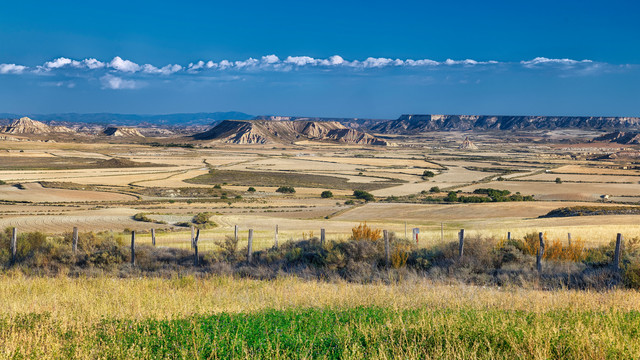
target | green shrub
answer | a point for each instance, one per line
(434, 189)
(363, 195)
(286, 190)
(326, 194)
(428, 174)
(2, 182)
(251, 189)
(217, 186)
(631, 276)
(349, 202)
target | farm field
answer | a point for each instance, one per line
(177, 183)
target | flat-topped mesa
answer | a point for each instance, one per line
(283, 131)
(25, 125)
(407, 124)
(122, 132)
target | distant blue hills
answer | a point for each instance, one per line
(180, 119)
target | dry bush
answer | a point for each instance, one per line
(399, 257)
(554, 250)
(365, 232)
(228, 248)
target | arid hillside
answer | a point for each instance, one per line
(276, 131)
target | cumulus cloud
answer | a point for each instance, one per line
(547, 61)
(165, 70)
(117, 83)
(124, 65)
(61, 62)
(12, 69)
(92, 64)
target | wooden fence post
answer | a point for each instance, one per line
(405, 231)
(442, 232)
(74, 244)
(461, 246)
(250, 246)
(276, 238)
(153, 236)
(196, 260)
(322, 236)
(569, 237)
(235, 233)
(133, 247)
(508, 235)
(193, 234)
(540, 253)
(386, 247)
(616, 256)
(14, 244)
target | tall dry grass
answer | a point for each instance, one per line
(56, 317)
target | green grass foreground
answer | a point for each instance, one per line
(360, 332)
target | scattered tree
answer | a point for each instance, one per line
(428, 174)
(363, 195)
(286, 190)
(326, 194)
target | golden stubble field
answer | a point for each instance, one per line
(98, 199)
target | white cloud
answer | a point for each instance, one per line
(270, 59)
(547, 61)
(300, 60)
(12, 69)
(250, 62)
(421, 62)
(124, 65)
(116, 83)
(195, 67)
(92, 63)
(165, 70)
(61, 62)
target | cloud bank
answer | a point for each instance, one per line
(119, 73)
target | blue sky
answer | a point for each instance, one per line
(331, 58)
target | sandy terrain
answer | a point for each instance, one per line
(584, 178)
(34, 192)
(562, 192)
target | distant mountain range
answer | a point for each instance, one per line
(412, 124)
(185, 119)
(405, 124)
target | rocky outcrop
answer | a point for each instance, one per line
(468, 145)
(122, 132)
(620, 137)
(27, 126)
(408, 124)
(279, 131)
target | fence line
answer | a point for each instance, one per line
(615, 264)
